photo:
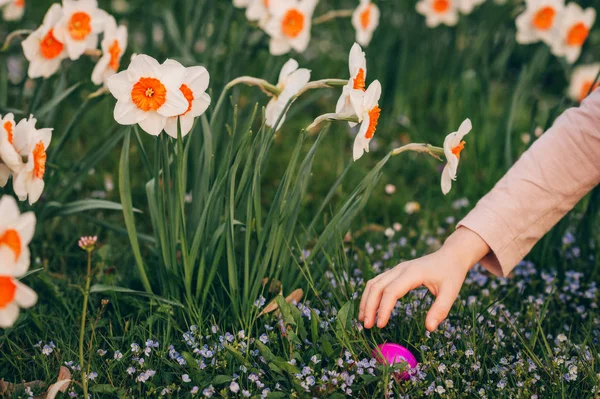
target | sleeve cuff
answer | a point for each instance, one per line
(505, 253)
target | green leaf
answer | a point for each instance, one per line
(221, 379)
(49, 106)
(97, 288)
(125, 192)
(86, 205)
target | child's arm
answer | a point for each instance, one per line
(543, 185)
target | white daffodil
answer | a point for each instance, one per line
(148, 93)
(439, 12)
(9, 156)
(16, 232)
(240, 3)
(289, 25)
(33, 143)
(13, 296)
(193, 88)
(291, 81)
(113, 45)
(467, 6)
(365, 20)
(81, 23)
(582, 81)
(368, 116)
(352, 94)
(42, 49)
(573, 30)
(539, 21)
(258, 10)
(453, 145)
(13, 9)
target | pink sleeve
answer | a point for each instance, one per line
(542, 186)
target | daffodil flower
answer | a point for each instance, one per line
(113, 45)
(16, 232)
(453, 145)
(13, 9)
(291, 80)
(352, 93)
(368, 116)
(365, 20)
(539, 21)
(32, 143)
(42, 49)
(583, 81)
(289, 25)
(439, 12)
(240, 3)
(193, 88)
(573, 30)
(9, 156)
(78, 28)
(148, 93)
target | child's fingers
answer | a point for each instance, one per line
(394, 291)
(372, 302)
(390, 274)
(441, 307)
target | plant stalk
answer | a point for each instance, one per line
(86, 295)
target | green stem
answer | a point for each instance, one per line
(86, 295)
(436, 152)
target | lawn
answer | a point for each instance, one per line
(226, 255)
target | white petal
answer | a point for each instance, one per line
(172, 74)
(8, 315)
(143, 66)
(200, 105)
(25, 297)
(9, 209)
(127, 113)
(279, 46)
(175, 105)
(357, 60)
(446, 180)
(372, 95)
(100, 69)
(290, 66)
(26, 227)
(35, 190)
(197, 79)
(120, 86)
(153, 124)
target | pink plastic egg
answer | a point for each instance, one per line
(393, 353)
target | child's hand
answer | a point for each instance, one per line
(442, 272)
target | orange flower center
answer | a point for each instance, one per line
(365, 17)
(359, 80)
(149, 94)
(8, 288)
(80, 25)
(458, 149)
(115, 55)
(544, 18)
(266, 3)
(39, 160)
(292, 23)
(8, 126)
(577, 34)
(586, 88)
(441, 6)
(50, 47)
(20, 3)
(373, 121)
(189, 96)
(12, 240)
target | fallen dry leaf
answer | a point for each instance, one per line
(296, 295)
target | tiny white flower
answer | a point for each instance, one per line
(113, 46)
(439, 12)
(148, 93)
(573, 30)
(13, 9)
(453, 145)
(186, 378)
(78, 28)
(291, 80)
(539, 21)
(365, 20)
(42, 48)
(582, 81)
(353, 92)
(193, 88)
(289, 25)
(368, 116)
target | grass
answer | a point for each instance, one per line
(532, 334)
